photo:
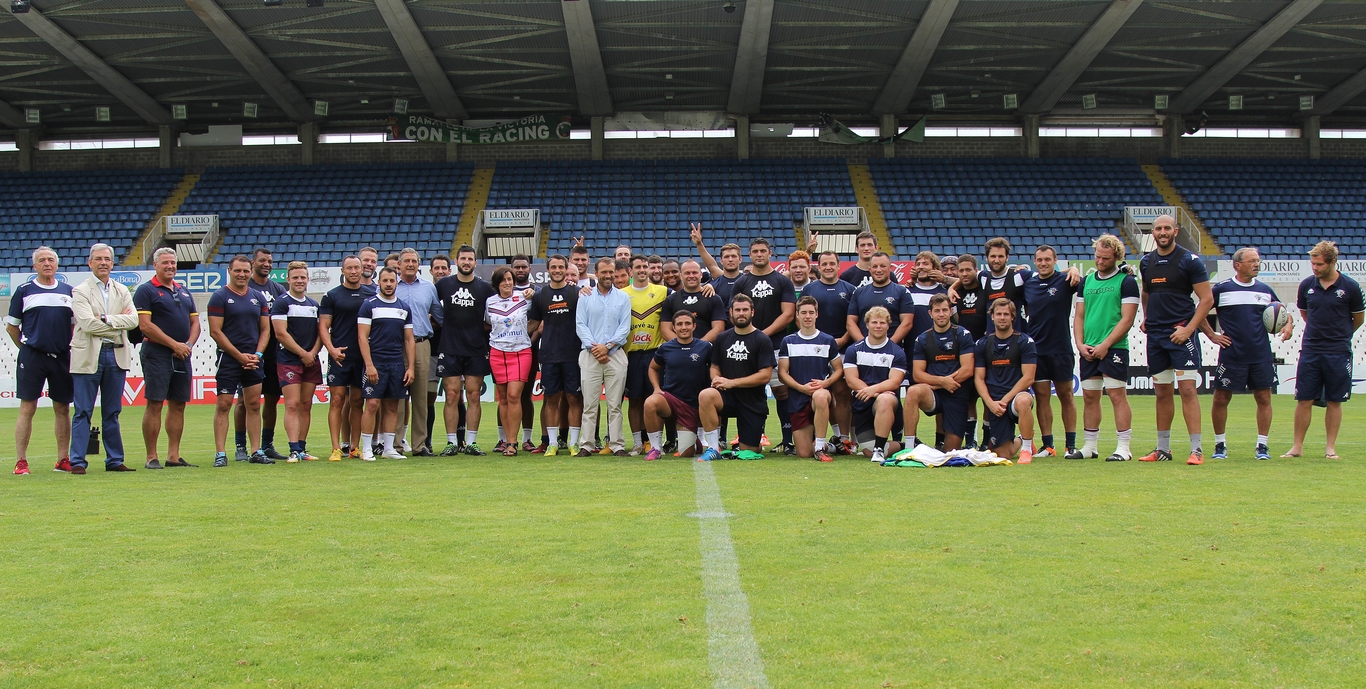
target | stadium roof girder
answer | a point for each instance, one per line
(900, 87)
(10, 116)
(585, 56)
(1240, 57)
(751, 56)
(87, 61)
(276, 85)
(430, 75)
(1079, 57)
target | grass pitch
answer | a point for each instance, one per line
(565, 572)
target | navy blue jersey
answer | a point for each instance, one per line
(1239, 307)
(241, 314)
(1004, 360)
(686, 368)
(554, 308)
(1168, 282)
(832, 306)
(704, 309)
(343, 304)
(388, 321)
(462, 308)
(301, 321)
(769, 293)
(857, 276)
(808, 359)
(170, 306)
(941, 355)
(874, 363)
(1328, 325)
(890, 296)
(1048, 302)
(725, 286)
(738, 356)
(920, 301)
(43, 315)
(271, 290)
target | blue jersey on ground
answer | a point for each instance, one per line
(890, 296)
(1048, 304)
(43, 315)
(1240, 306)
(343, 304)
(1002, 359)
(388, 319)
(832, 306)
(1328, 329)
(874, 363)
(241, 314)
(1169, 281)
(920, 300)
(301, 321)
(808, 359)
(687, 368)
(940, 351)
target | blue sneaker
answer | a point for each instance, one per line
(709, 455)
(220, 460)
(1220, 451)
(1263, 452)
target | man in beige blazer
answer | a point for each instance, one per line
(99, 358)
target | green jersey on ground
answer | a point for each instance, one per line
(1103, 298)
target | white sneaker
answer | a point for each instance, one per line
(392, 454)
(404, 446)
(366, 456)
(878, 457)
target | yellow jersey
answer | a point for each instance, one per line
(646, 307)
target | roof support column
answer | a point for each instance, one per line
(1310, 132)
(1030, 127)
(596, 136)
(888, 129)
(308, 137)
(26, 140)
(1176, 126)
(742, 137)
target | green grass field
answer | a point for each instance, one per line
(566, 572)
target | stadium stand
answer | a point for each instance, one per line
(69, 211)
(648, 203)
(1280, 206)
(320, 213)
(952, 206)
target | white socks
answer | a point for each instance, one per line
(526, 434)
(554, 435)
(635, 437)
(834, 430)
(388, 440)
(1092, 445)
(470, 436)
(502, 435)
(367, 444)
(820, 444)
(453, 438)
(1196, 441)
(710, 439)
(573, 436)
(1124, 437)
(656, 440)
(1220, 438)
(1261, 440)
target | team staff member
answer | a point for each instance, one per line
(775, 303)
(723, 275)
(239, 322)
(1005, 362)
(554, 307)
(521, 282)
(832, 297)
(345, 370)
(808, 365)
(942, 369)
(861, 273)
(384, 332)
(741, 363)
(509, 347)
(262, 263)
(1332, 307)
(462, 359)
(647, 303)
(1170, 275)
(294, 318)
(1048, 294)
(439, 267)
(1106, 305)
(709, 312)
(603, 322)
(679, 372)
(39, 323)
(169, 324)
(422, 300)
(1245, 359)
(99, 359)
(875, 367)
(369, 265)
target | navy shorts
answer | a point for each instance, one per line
(1001, 429)
(348, 374)
(389, 386)
(954, 408)
(561, 377)
(449, 365)
(270, 385)
(1114, 365)
(1245, 377)
(1324, 376)
(749, 422)
(1164, 354)
(232, 377)
(863, 423)
(1055, 367)
(638, 374)
(36, 368)
(164, 377)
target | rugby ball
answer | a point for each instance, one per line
(1275, 316)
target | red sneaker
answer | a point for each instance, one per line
(824, 456)
(538, 450)
(528, 447)
(21, 467)
(1156, 456)
(63, 465)
(1026, 457)
(1196, 459)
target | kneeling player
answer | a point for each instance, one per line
(741, 365)
(808, 364)
(1005, 362)
(874, 369)
(679, 371)
(942, 368)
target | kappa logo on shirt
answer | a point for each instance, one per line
(737, 352)
(762, 290)
(557, 298)
(1115, 358)
(969, 300)
(690, 300)
(462, 297)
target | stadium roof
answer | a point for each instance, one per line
(776, 60)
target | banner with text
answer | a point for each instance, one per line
(530, 128)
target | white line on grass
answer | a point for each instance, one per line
(735, 660)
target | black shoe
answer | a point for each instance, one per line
(423, 452)
(451, 450)
(119, 467)
(270, 452)
(670, 446)
(473, 450)
(260, 457)
(242, 455)
(179, 463)
(152, 464)
(788, 449)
